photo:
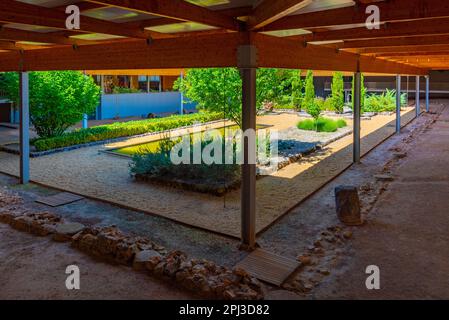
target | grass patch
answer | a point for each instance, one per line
(122, 129)
(322, 124)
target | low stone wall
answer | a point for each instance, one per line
(202, 277)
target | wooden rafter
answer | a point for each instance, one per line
(21, 35)
(284, 53)
(219, 50)
(269, 11)
(390, 30)
(403, 49)
(176, 9)
(17, 12)
(391, 11)
(395, 42)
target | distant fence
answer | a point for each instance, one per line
(141, 104)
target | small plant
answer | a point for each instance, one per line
(385, 102)
(315, 107)
(321, 124)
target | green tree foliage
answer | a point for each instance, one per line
(362, 94)
(297, 96)
(58, 99)
(338, 96)
(309, 97)
(220, 89)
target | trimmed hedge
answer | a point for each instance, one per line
(122, 129)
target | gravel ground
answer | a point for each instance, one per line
(290, 236)
(92, 173)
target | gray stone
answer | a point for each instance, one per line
(348, 205)
(143, 257)
(63, 232)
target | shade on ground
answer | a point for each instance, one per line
(91, 173)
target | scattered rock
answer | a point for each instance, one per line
(65, 231)
(348, 205)
(145, 259)
(305, 260)
(324, 272)
(399, 155)
(347, 234)
(384, 177)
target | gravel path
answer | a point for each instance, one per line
(99, 175)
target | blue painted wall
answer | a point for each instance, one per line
(141, 104)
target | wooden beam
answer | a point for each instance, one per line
(18, 12)
(176, 9)
(12, 46)
(404, 49)
(276, 52)
(186, 52)
(395, 42)
(21, 35)
(412, 54)
(269, 11)
(392, 10)
(232, 12)
(397, 29)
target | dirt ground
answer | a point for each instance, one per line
(405, 233)
(34, 268)
(103, 176)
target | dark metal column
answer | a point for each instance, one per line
(24, 128)
(247, 57)
(417, 106)
(427, 93)
(357, 115)
(398, 104)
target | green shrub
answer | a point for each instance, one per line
(309, 96)
(341, 123)
(308, 124)
(329, 104)
(326, 125)
(58, 99)
(122, 129)
(321, 125)
(362, 93)
(337, 98)
(385, 102)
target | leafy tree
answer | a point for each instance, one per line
(362, 94)
(220, 89)
(309, 97)
(338, 96)
(58, 99)
(297, 96)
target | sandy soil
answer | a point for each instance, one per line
(99, 175)
(34, 268)
(407, 239)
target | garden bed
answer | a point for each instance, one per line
(293, 144)
(211, 185)
(14, 148)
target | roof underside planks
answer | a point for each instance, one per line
(170, 34)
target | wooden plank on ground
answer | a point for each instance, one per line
(59, 199)
(268, 267)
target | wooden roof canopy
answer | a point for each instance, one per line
(151, 34)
